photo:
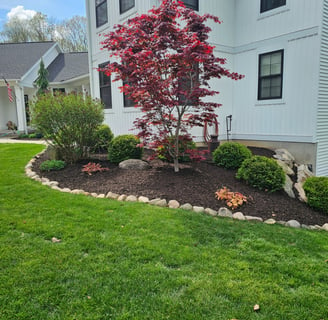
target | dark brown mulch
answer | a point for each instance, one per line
(196, 183)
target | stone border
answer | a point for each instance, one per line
(173, 204)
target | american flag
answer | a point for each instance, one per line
(10, 96)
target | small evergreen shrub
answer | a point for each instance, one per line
(102, 137)
(186, 146)
(52, 165)
(230, 155)
(316, 190)
(124, 147)
(262, 173)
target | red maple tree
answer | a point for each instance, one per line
(166, 63)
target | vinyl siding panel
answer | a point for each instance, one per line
(322, 110)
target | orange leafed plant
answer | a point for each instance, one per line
(232, 199)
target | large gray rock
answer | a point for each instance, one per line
(143, 199)
(270, 221)
(158, 202)
(131, 198)
(293, 224)
(111, 195)
(225, 212)
(287, 169)
(239, 216)
(284, 155)
(134, 164)
(303, 173)
(198, 209)
(301, 193)
(186, 206)
(173, 204)
(325, 227)
(211, 212)
(288, 187)
(255, 219)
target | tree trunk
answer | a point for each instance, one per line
(176, 165)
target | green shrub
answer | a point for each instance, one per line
(230, 155)
(316, 190)
(22, 136)
(165, 149)
(103, 136)
(124, 147)
(67, 122)
(262, 173)
(52, 165)
(35, 135)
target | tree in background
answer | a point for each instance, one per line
(166, 63)
(71, 34)
(42, 80)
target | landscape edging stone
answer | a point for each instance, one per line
(163, 202)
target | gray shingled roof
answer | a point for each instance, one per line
(68, 66)
(17, 58)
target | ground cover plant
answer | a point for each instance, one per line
(114, 260)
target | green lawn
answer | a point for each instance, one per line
(133, 261)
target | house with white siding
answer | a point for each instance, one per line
(19, 65)
(281, 46)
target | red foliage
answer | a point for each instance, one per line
(92, 167)
(156, 52)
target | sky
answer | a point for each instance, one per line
(56, 9)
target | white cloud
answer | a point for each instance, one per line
(20, 13)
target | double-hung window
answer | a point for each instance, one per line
(101, 12)
(126, 100)
(105, 85)
(267, 5)
(192, 4)
(126, 5)
(270, 75)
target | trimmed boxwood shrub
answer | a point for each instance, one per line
(124, 147)
(316, 190)
(52, 165)
(102, 138)
(230, 155)
(262, 173)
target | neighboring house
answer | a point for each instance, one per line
(281, 46)
(19, 65)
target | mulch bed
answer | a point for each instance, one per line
(195, 183)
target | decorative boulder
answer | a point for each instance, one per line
(133, 164)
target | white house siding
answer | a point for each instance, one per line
(322, 111)
(292, 119)
(121, 119)
(245, 34)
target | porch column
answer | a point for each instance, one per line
(20, 105)
(83, 91)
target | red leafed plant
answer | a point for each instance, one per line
(166, 64)
(233, 199)
(93, 167)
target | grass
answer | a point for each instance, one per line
(133, 261)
